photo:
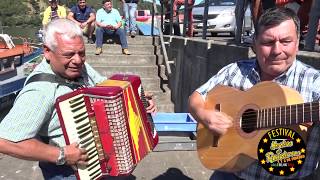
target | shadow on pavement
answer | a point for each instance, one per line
(172, 174)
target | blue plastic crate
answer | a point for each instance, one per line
(177, 122)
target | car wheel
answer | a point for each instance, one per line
(214, 34)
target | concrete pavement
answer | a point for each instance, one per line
(165, 165)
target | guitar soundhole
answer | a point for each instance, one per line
(249, 120)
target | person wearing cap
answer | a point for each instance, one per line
(54, 11)
(84, 16)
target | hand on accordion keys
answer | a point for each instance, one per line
(74, 155)
(152, 106)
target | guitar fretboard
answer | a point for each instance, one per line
(281, 116)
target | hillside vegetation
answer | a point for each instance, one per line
(29, 12)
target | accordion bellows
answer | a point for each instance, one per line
(111, 123)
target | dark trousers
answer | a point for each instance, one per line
(118, 32)
(50, 171)
(175, 27)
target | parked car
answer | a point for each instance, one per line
(143, 15)
(221, 17)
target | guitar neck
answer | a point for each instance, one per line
(286, 115)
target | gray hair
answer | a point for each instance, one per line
(275, 16)
(63, 27)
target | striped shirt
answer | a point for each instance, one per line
(33, 114)
(301, 77)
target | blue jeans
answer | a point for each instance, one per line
(129, 11)
(119, 32)
(50, 171)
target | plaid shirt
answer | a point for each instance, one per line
(301, 77)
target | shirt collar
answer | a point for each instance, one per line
(256, 71)
(83, 79)
(82, 10)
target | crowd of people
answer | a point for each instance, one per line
(87, 18)
(307, 11)
(106, 20)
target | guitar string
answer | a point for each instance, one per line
(251, 117)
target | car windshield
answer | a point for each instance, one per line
(220, 2)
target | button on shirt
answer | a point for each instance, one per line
(301, 77)
(33, 113)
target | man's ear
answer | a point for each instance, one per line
(297, 46)
(47, 52)
(254, 44)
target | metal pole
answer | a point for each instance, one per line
(185, 18)
(1, 28)
(171, 16)
(205, 19)
(152, 20)
(314, 17)
(239, 13)
(162, 17)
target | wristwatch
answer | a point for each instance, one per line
(61, 159)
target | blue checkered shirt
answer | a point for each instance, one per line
(301, 77)
(33, 114)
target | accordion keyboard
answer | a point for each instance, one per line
(80, 129)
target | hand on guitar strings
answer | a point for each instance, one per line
(75, 155)
(217, 122)
(152, 108)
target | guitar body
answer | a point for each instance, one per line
(237, 149)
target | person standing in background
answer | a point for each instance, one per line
(84, 16)
(175, 23)
(313, 26)
(54, 11)
(129, 11)
(176, 6)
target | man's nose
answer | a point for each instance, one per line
(277, 48)
(77, 58)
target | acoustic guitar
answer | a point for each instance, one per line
(264, 106)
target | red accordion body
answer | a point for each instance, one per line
(110, 122)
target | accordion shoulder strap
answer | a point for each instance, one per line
(53, 79)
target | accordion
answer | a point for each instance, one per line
(110, 122)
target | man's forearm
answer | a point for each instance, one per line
(74, 20)
(99, 24)
(31, 149)
(118, 25)
(196, 106)
(91, 19)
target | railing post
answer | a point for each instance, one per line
(1, 28)
(185, 17)
(205, 19)
(152, 20)
(162, 16)
(171, 16)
